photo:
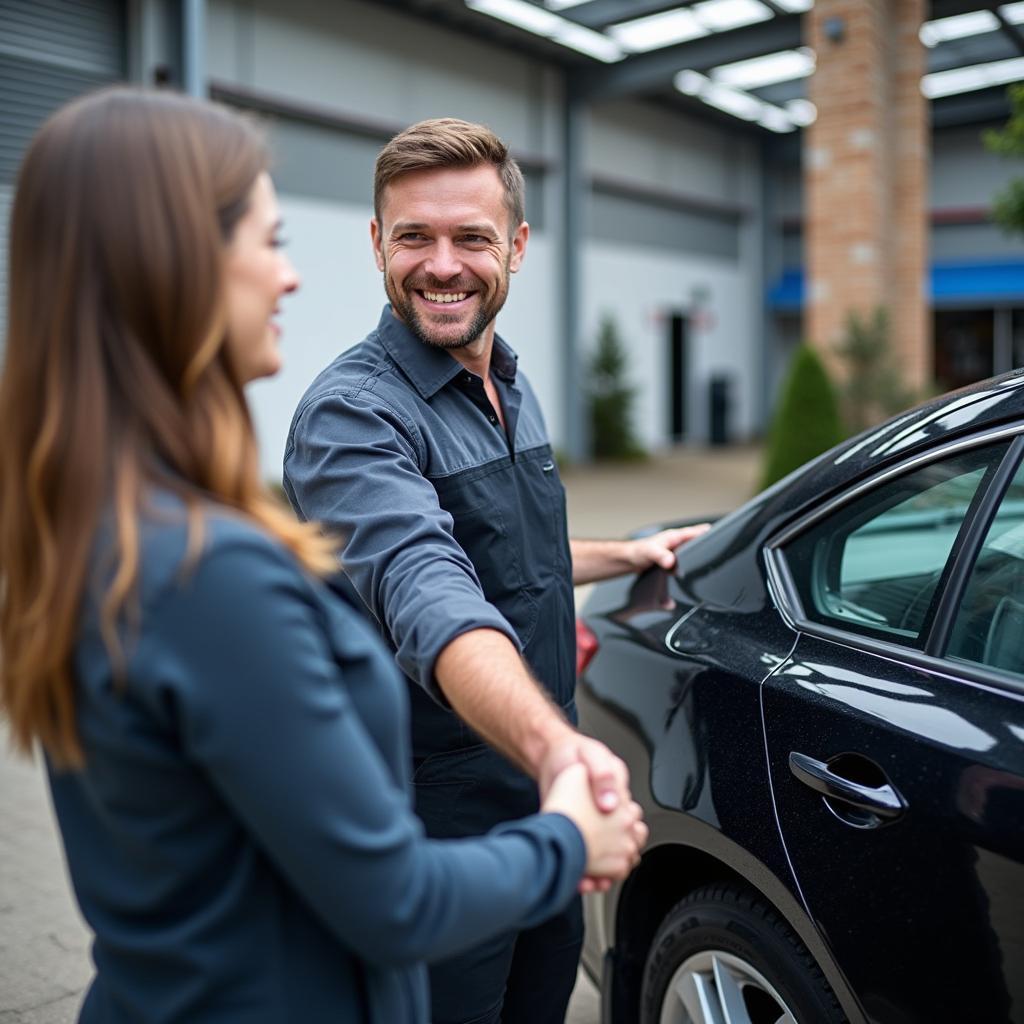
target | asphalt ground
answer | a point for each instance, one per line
(44, 945)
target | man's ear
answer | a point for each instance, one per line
(376, 240)
(519, 240)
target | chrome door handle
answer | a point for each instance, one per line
(883, 800)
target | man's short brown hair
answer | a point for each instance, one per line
(449, 142)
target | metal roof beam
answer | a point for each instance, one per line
(656, 68)
(599, 13)
(1008, 28)
(948, 8)
(985, 105)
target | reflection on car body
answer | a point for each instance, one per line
(823, 714)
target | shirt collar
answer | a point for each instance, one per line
(430, 368)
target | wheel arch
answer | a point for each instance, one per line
(666, 875)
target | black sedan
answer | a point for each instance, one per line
(823, 713)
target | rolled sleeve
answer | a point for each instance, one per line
(354, 465)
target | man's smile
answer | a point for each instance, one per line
(446, 298)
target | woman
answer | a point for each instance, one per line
(226, 742)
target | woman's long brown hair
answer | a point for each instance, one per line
(116, 375)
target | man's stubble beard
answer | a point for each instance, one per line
(486, 313)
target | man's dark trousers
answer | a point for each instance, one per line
(459, 794)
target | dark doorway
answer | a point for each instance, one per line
(963, 347)
(678, 376)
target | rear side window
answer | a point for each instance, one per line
(874, 566)
(989, 627)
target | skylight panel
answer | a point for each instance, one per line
(795, 6)
(549, 25)
(723, 15)
(587, 41)
(691, 82)
(802, 112)
(784, 66)
(775, 118)
(561, 5)
(977, 76)
(734, 101)
(519, 13)
(1013, 13)
(958, 27)
(657, 30)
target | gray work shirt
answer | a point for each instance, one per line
(450, 522)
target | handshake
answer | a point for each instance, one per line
(583, 780)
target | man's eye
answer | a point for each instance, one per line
(278, 243)
(475, 239)
(411, 236)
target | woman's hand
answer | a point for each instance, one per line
(613, 839)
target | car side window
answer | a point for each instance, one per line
(873, 565)
(989, 626)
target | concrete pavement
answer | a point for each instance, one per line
(44, 945)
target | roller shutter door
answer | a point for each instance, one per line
(50, 52)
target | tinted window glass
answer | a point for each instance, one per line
(989, 628)
(874, 565)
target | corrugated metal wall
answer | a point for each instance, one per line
(50, 52)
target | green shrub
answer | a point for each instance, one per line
(872, 388)
(1008, 205)
(610, 399)
(806, 421)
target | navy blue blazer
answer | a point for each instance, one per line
(241, 840)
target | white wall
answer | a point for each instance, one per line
(647, 288)
(636, 142)
(964, 173)
(338, 303)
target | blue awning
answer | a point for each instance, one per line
(787, 294)
(994, 282)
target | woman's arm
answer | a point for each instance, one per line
(267, 715)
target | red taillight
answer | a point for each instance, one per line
(586, 646)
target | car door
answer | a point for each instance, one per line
(895, 734)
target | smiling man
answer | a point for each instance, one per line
(425, 449)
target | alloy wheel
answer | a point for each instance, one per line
(715, 987)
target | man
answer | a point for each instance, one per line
(425, 448)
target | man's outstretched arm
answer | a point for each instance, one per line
(488, 685)
(594, 560)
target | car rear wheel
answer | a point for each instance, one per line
(724, 956)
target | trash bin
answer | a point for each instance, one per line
(719, 400)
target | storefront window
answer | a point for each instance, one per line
(1018, 338)
(964, 347)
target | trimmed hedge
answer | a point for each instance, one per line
(806, 421)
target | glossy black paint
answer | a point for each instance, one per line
(706, 689)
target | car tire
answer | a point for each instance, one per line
(725, 954)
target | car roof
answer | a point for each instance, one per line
(969, 410)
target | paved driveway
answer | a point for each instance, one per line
(44, 946)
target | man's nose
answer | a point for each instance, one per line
(444, 262)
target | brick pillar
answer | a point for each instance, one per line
(866, 176)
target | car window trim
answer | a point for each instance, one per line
(802, 522)
(910, 657)
(941, 627)
(784, 592)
